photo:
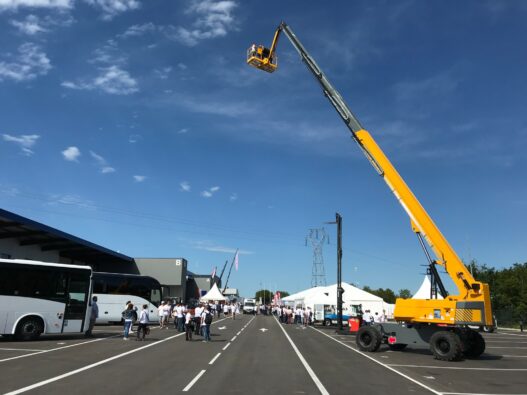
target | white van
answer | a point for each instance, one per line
(249, 306)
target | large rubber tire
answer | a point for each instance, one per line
(368, 339)
(397, 346)
(446, 346)
(327, 322)
(487, 329)
(29, 328)
(473, 344)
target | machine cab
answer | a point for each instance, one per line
(260, 57)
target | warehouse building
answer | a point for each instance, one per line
(23, 238)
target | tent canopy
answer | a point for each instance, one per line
(328, 295)
(424, 291)
(213, 294)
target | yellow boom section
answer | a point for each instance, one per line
(472, 304)
(473, 295)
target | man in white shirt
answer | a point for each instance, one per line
(188, 326)
(160, 312)
(197, 319)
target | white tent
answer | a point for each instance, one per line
(328, 296)
(213, 294)
(424, 290)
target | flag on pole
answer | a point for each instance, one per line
(236, 261)
(213, 272)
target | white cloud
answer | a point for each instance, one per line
(139, 178)
(134, 138)
(27, 65)
(138, 30)
(213, 19)
(26, 142)
(182, 131)
(436, 85)
(109, 54)
(210, 192)
(185, 186)
(30, 26)
(182, 66)
(71, 154)
(15, 4)
(208, 245)
(71, 200)
(112, 8)
(233, 197)
(102, 163)
(163, 73)
(112, 80)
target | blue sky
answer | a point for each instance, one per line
(137, 125)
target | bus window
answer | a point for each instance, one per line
(155, 297)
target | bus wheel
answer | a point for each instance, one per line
(29, 328)
(446, 346)
(368, 339)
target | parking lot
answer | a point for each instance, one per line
(252, 355)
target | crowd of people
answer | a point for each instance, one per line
(184, 318)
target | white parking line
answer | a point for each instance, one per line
(21, 349)
(224, 348)
(58, 348)
(312, 374)
(516, 348)
(234, 338)
(458, 368)
(214, 359)
(93, 365)
(380, 363)
(189, 385)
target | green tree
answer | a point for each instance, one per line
(265, 295)
(404, 293)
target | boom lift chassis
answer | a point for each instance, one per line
(440, 324)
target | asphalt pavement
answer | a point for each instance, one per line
(252, 354)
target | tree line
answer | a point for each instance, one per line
(508, 290)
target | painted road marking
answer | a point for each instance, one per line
(238, 334)
(224, 348)
(380, 363)
(314, 377)
(21, 349)
(214, 359)
(233, 339)
(58, 348)
(189, 385)
(459, 368)
(93, 365)
(263, 330)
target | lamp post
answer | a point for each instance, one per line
(340, 290)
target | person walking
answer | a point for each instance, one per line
(188, 325)
(94, 314)
(206, 320)
(142, 327)
(128, 316)
(233, 311)
(197, 319)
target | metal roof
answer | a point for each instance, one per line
(31, 233)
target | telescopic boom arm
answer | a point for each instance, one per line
(469, 289)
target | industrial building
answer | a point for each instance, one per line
(23, 238)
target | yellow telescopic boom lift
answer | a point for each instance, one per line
(440, 324)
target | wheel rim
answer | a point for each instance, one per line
(443, 346)
(366, 339)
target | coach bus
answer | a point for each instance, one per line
(39, 297)
(113, 290)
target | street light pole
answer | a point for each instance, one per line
(340, 290)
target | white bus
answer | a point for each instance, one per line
(39, 297)
(113, 290)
